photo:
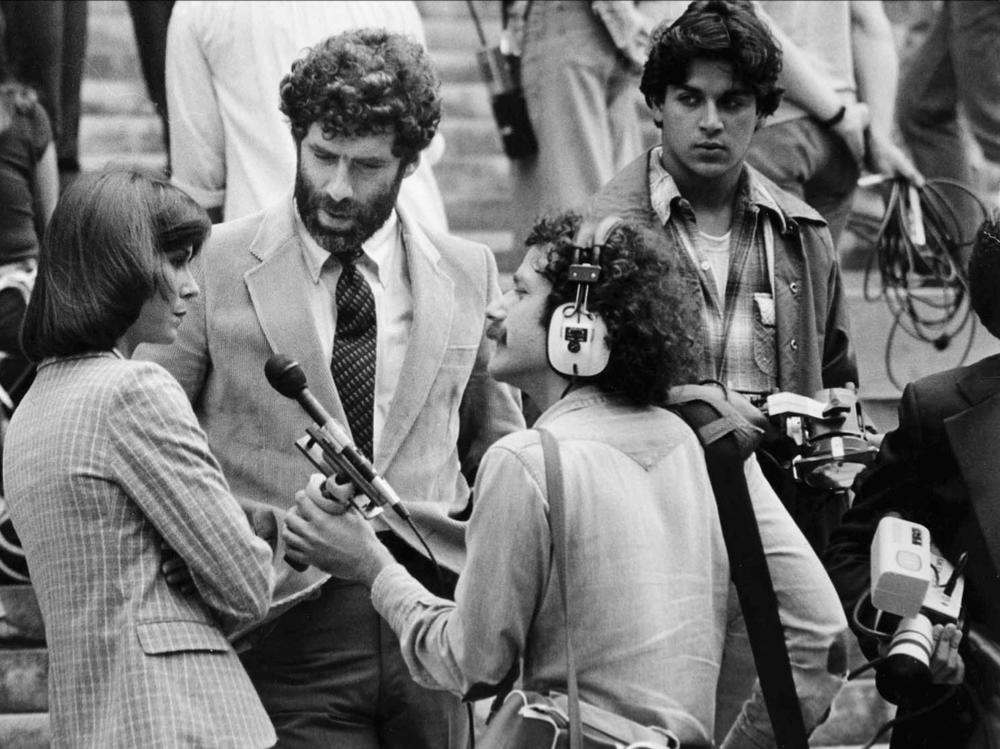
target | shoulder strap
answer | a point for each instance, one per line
(748, 568)
(557, 525)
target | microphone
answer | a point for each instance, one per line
(287, 377)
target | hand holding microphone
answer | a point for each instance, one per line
(320, 530)
(330, 449)
(328, 445)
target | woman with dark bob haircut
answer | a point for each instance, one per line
(142, 561)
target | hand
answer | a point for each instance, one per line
(885, 157)
(852, 129)
(176, 571)
(947, 666)
(328, 533)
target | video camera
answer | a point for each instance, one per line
(819, 440)
(913, 588)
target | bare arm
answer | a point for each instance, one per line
(815, 93)
(876, 70)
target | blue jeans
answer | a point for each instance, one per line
(583, 105)
(811, 163)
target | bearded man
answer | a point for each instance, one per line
(386, 319)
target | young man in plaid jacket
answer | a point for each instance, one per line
(760, 262)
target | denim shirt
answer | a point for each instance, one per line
(651, 605)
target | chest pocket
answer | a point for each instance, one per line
(765, 334)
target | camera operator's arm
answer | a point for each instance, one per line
(891, 484)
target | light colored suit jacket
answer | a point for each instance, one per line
(103, 462)
(443, 416)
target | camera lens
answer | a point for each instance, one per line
(906, 670)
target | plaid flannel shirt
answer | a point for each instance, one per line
(738, 330)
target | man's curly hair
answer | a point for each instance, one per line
(365, 82)
(984, 274)
(726, 30)
(650, 323)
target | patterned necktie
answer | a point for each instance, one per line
(353, 361)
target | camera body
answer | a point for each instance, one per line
(826, 432)
(918, 587)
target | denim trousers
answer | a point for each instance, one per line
(583, 105)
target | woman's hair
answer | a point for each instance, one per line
(365, 82)
(651, 325)
(102, 259)
(715, 29)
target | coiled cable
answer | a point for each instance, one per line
(918, 257)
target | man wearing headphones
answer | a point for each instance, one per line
(596, 336)
(759, 262)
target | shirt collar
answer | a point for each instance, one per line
(663, 190)
(581, 397)
(378, 252)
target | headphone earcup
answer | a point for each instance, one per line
(577, 342)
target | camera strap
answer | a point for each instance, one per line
(748, 567)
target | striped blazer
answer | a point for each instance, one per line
(104, 463)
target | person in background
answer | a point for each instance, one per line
(113, 490)
(229, 142)
(759, 262)
(937, 468)
(385, 316)
(649, 575)
(954, 77)
(579, 65)
(46, 45)
(29, 186)
(836, 117)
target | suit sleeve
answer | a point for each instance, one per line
(187, 357)
(162, 460)
(489, 409)
(892, 484)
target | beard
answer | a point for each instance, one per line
(367, 218)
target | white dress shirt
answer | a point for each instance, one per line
(383, 265)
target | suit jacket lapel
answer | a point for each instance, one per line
(433, 307)
(981, 380)
(275, 288)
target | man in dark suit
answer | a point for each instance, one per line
(939, 468)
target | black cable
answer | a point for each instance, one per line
(922, 279)
(438, 578)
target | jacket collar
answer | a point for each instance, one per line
(757, 190)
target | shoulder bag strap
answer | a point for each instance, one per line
(748, 568)
(557, 526)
